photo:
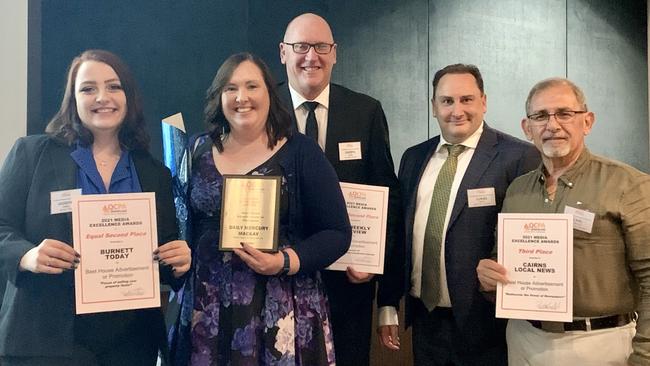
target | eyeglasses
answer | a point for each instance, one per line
(302, 47)
(561, 116)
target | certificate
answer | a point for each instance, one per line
(367, 208)
(250, 206)
(537, 252)
(115, 234)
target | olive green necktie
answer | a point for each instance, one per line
(430, 285)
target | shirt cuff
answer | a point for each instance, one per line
(387, 315)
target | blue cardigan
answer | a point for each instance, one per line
(319, 226)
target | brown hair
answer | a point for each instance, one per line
(458, 69)
(278, 122)
(66, 124)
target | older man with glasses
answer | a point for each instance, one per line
(611, 263)
(352, 130)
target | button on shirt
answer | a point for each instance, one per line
(611, 265)
(301, 112)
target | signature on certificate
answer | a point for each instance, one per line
(133, 292)
(548, 305)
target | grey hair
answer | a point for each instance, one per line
(551, 82)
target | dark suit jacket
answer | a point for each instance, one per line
(356, 117)
(498, 159)
(37, 314)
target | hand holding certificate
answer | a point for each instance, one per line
(115, 234)
(367, 208)
(537, 252)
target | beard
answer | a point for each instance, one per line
(552, 151)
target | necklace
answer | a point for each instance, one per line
(106, 162)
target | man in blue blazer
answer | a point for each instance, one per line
(352, 130)
(453, 322)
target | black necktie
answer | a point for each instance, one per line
(311, 127)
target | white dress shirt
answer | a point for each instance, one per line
(301, 112)
(387, 314)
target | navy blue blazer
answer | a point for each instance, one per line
(498, 159)
(38, 310)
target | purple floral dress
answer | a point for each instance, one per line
(240, 317)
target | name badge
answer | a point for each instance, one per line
(61, 201)
(481, 197)
(582, 220)
(350, 150)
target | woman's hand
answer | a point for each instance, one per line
(263, 263)
(51, 257)
(176, 254)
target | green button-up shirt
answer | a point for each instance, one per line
(611, 265)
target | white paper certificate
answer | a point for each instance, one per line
(115, 234)
(367, 208)
(537, 251)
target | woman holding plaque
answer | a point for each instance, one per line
(251, 307)
(96, 143)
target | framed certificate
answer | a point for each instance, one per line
(115, 234)
(250, 209)
(367, 208)
(537, 252)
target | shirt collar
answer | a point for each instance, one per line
(569, 176)
(323, 98)
(470, 143)
(83, 156)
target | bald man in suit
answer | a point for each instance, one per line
(341, 116)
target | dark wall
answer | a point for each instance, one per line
(388, 49)
(173, 49)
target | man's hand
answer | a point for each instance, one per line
(489, 273)
(51, 257)
(358, 277)
(388, 336)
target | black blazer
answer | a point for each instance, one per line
(356, 117)
(498, 159)
(37, 314)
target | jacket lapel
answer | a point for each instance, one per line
(335, 122)
(419, 165)
(148, 180)
(64, 171)
(484, 154)
(285, 97)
